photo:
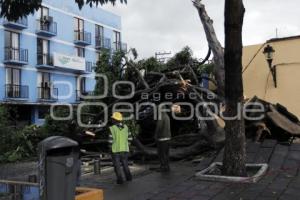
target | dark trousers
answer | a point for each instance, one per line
(163, 154)
(118, 159)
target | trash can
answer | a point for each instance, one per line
(58, 168)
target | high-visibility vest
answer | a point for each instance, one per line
(119, 138)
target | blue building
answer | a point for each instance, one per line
(43, 55)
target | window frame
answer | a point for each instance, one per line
(80, 52)
(10, 72)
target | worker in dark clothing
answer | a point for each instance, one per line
(163, 137)
(119, 138)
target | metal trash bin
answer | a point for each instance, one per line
(58, 168)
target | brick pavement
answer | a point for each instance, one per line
(282, 180)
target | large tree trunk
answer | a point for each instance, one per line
(215, 46)
(234, 155)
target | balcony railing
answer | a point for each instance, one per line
(44, 60)
(15, 56)
(19, 24)
(47, 93)
(120, 46)
(16, 91)
(46, 28)
(82, 37)
(102, 43)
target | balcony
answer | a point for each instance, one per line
(82, 38)
(119, 46)
(19, 24)
(47, 94)
(15, 56)
(16, 91)
(46, 27)
(44, 61)
(102, 43)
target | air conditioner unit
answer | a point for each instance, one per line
(48, 19)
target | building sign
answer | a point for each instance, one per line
(69, 62)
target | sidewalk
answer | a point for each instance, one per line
(281, 182)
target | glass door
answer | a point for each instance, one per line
(44, 85)
(13, 82)
(12, 45)
(79, 28)
(99, 34)
(117, 40)
(43, 51)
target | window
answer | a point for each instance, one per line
(13, 76)
(81, 84)
(12, 40)
(12, 45)
(80, 52)
(43, 12)
(43, 49)
(44, 79)
(117, 40)
(13, 83)
(78, 24)
(44, 85)
(79, 28)
(99, 35)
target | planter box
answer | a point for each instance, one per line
(210, 174)
(89, 194)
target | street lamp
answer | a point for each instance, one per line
(269, 54)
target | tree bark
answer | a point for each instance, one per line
(234, 154)
(214, 44)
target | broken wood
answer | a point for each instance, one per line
(214, 45)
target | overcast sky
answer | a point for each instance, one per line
(169, 25)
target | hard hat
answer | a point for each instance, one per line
(117, 116)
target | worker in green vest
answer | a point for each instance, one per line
(119, 139)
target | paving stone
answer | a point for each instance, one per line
(292, 191)
(294, 155)
(266, 198)
(269, 144)
(280, 182)
(202, 185)
(252, 147)
(290, 167)
(248, 195)
(230, 192)
(199, 197)
(278, 157)
(163, 196)
(295, 183)
(250, 158)
(263, 155)
(286, 196)
(269, 176)
(204, 164)
(273, 193)
(295, 147)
